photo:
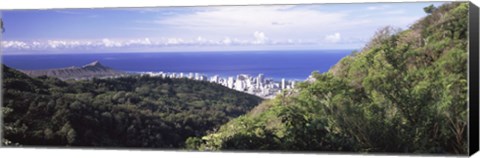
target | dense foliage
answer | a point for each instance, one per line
(131, 111)
(405, 92)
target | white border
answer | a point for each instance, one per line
(85, 153)
(48, 4)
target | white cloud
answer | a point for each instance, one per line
(145, 41)
(381, 7)
(278, 24)
(227, 41)
(372, 8)
(260, 37)
(396, 12)
(15, 44)
(174, 41)
(333, 38)
(200, 39)
(252, 26)
(240, 21)
(109, 43)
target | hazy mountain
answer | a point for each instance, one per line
(91, 70)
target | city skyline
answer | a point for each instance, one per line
(215, 28)
(259, 85)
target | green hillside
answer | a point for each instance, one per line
(405, 92)
(147, 112)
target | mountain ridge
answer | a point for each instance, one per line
(91, 70)
(405, 92)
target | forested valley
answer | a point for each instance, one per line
(135, 111)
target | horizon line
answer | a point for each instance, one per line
(174, 51)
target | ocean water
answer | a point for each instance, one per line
(293, 65)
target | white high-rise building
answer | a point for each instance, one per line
(230, 82)
(214, 79)
(248, 83)
(197, 76)
(203, 78)
(260, 80)
(256, 85)
(190, 76)
(239, 85)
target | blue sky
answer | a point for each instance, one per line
(219, 28)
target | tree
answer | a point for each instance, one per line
(119, 112)
(429, 9)
(380, 36)
(393, 96)
(1, 26)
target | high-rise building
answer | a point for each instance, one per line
(283, 83)
(214, 79)
(230, 82)
(260, 80)
(197, 76)
(203, 78)
(240, 85)
(190, 76)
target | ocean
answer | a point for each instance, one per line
(292, 65)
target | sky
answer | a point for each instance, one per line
(214, 28)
